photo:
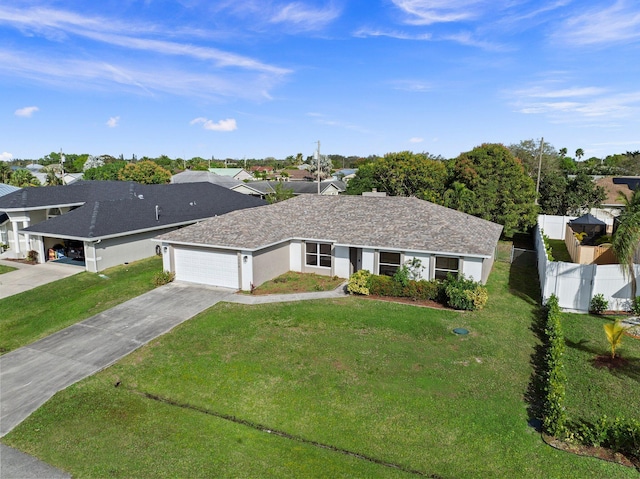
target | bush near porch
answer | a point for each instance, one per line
(455, 292)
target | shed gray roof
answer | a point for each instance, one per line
(389, 222)
(298, 187)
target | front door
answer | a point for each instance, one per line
(355, 260)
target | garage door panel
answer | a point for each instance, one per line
(215, 268)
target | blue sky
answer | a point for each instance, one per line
(258, 78)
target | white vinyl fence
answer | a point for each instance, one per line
(575, 284)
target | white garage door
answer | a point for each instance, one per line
(215, 268)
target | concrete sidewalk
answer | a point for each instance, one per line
(29, 276)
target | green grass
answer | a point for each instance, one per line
(293, 282)
(559, 250)
(6, 269)
(593, 391)
(384, 380)
(34, 314)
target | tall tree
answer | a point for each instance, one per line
(402, 174)
(504, 193)
(528, 152)
(579, 154)
(108, 171)
(145, 172)
(459, 197)
(23, 178)
(627, 237)
(582, 194)
(5, 172)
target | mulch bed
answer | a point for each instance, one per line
(23, 261)
(591, 451)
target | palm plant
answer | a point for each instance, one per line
(579, 153)
(627, 236)
(614, 332)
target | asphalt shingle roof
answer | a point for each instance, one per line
(378, 222)
(189, 176)
(298, 187)
(177, 204)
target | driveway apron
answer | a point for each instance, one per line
(29, 376)
(29, 276)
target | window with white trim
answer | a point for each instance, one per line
(446, 265)
(388, 263)
(318, 254)
(53, 212)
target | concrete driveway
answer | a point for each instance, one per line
(28, 276)
(32, 374)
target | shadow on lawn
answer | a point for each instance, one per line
(629, 367)
(534, 395)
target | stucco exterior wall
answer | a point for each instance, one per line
(472, 268)
(368, 260)
(341, 261)
(124, 249)
(425, 260)
(270, 263)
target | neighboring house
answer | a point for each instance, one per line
(104, 223)
(345, 174)
(299, 175)
(5, 224)
(262, 188)
(330, 235)
(236, 173)
(614, 187)
(192, 176)
(34, 167)
(69, 178)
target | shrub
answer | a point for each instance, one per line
(385, 286)
(598, 304)
(32, 255)
(401, 276)
(463, 293)
(163, 277)
(423, 289)
(359, 282)
(619, 435)
(555, 418)
(635, 305)
(547, 246)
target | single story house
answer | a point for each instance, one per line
(239, 174)
(262, 188)
(104, 223)
(193, 176)
(330, 235)
(5, 224)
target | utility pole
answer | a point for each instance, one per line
(318, 161)
(539, 168)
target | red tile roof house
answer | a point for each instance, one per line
(330, 235)
(99, 224)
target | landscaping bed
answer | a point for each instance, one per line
(293, 282)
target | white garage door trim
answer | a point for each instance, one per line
(214, 268)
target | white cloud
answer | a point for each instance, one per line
(576, 104)
(222, 125)
(113, 121)
(4, 156)
(618, 23)
(367, 32)
(26, 112)
(412, 85)
(427, 12)
(304, 16)
(415, 139)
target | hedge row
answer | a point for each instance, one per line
(456, 292)
(619, 434)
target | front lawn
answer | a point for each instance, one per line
(6, 269)
(388, 382)
(293, 282)
(34, 314)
